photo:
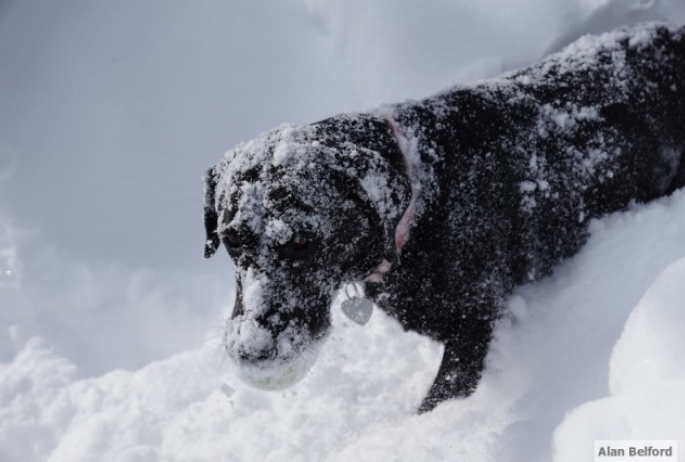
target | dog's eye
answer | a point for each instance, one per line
(300, 242)
(300, 246)
(232, 240)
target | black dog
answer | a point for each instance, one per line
(442, 206)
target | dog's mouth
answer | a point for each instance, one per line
(271, 361)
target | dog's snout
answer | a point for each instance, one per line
(250, 354)
(276, 319)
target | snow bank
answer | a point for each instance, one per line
(646, 377)
(178, 409)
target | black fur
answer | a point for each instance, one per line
(511, 170)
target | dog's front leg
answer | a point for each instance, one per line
(462, 366)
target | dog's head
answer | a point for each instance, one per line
(300, 210)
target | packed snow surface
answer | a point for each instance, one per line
(106, 354)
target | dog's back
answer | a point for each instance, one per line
(539, 152)
(608, 116)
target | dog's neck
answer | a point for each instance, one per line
(407, 147)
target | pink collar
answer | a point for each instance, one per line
(402, 231)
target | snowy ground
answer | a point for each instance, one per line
(109, 318)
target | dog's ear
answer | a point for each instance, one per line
(212, 240)
(378, 157)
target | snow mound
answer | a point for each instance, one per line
(646, 377)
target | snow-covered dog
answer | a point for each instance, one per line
(440, 207)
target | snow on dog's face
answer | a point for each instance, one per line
(300, 211)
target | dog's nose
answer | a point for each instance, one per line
(249, 342)
(276, 319)
(253, 354)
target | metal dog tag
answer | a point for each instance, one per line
(359, 310)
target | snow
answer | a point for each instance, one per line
(111, 324)
(646, 379)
